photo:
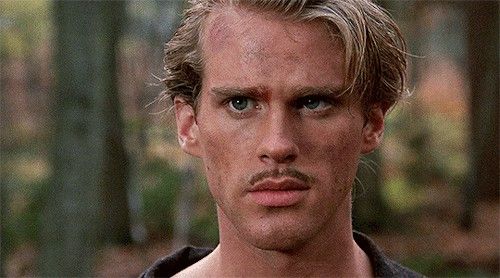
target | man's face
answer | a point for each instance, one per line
(280, 147)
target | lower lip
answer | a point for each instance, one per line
(277, 198)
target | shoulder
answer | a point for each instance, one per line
(382, 265)
(172, 264)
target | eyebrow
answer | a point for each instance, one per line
(296, 92)
(334, 92)
(237, 91)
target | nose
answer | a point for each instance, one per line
(278, 144)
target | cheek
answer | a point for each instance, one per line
(216, 162)
(225, 149)
(334, 141)
(339, 149)
(224, 145)
(216, 171)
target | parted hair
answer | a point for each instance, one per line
(375, 51)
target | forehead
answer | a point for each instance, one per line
(226, 21)
(254, 30)
(244, 39)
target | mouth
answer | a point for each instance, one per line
(282, 192)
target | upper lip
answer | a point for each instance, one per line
(280, 184)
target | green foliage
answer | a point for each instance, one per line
(449, 146)
(434, 265)
(25, 180)
(25, 26)
(370, 211)
(204, 229)
(401, 196)
(425, 264)
(430, 146)
(24, 220)
(159, 195)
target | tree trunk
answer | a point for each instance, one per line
(483, 69)
(184, 208)
(483, 51)
(71, 216)
(116, 163)
(370, 211)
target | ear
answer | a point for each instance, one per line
(373, 130)
(187, 127)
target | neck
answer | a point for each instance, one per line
(333, 251)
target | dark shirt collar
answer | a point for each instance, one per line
(183, 258)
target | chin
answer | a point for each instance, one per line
(280, 238)
(284, 245)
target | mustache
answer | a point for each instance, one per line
(278, 173)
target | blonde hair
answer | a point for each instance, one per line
(375, 51)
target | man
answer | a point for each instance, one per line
(280, 99)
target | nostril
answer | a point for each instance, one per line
(264, 158)
(289, 158)
(287, 155)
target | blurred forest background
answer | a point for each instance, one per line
(93, 183)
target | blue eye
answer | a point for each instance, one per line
(312, 103)
(239, 103)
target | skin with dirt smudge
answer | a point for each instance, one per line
(280, 147)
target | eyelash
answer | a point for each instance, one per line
(227, 104)
(303, 101)
(299, 104)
